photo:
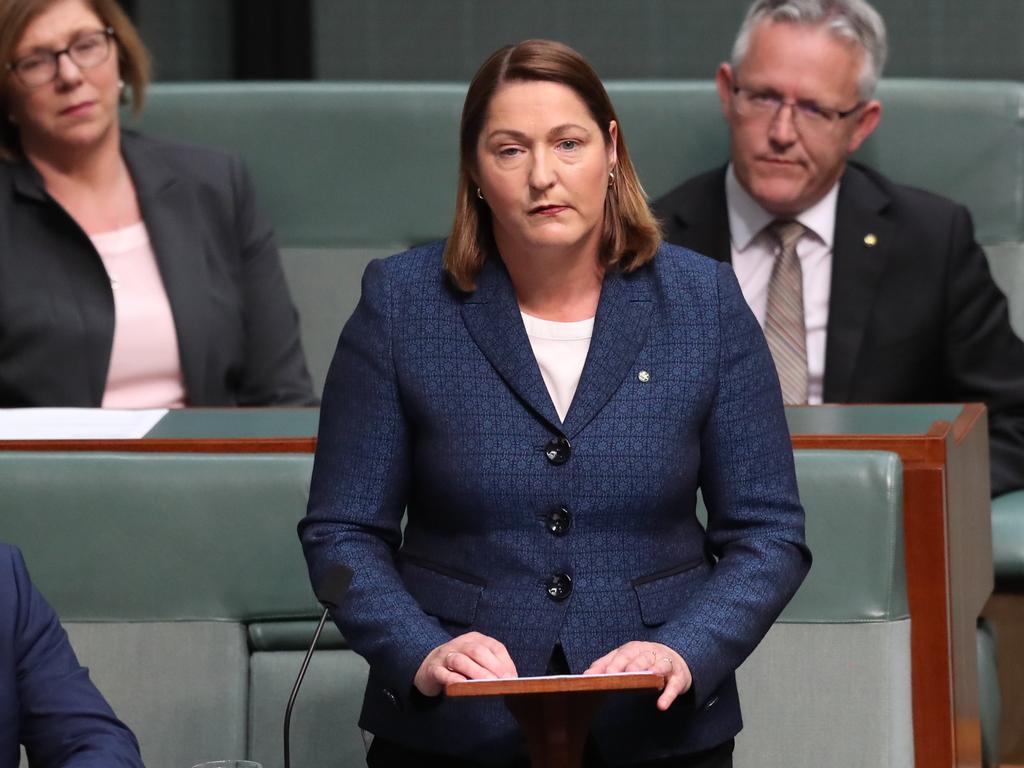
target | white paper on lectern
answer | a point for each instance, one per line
(77, 423)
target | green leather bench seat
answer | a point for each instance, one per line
(840, 652)
(163, 568)
(1008, 541)
(352, 171)
(182, 584)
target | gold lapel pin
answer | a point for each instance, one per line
(870, 240)
(644, 377)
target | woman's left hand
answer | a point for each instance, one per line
(639, 656)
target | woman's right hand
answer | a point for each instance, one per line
(471, 656)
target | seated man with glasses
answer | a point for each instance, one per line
(868, 291)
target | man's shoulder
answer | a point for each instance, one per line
(697, 187)
(861, 181)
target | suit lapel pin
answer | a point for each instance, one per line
(870, 240)
(644, 377)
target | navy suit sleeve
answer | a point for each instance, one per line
(359, 492)
(63, 720)
(983, 359)
(755, 520)
(274, 363)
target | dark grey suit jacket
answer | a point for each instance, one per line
(915, 318)
(237, 327)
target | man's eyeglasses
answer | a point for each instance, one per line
(88, 50)
(806, 114)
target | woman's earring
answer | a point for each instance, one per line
(611, 178)
(120, 85)
(479, 193)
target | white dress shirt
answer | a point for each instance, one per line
(753, 256)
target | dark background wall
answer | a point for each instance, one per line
(447, 39)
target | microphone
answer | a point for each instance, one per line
(329, 593)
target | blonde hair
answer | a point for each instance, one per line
(631, 234)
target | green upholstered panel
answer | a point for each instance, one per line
(324, 722)
(1008, 540)
(853, 502)
(325, 285)
(356, 170)
(828, 694)
(867, 420)
(292, 635)
(161, 536)
(990, 705)
(335, 165)
(962, 139)
(212, 536)
(373, 164)
(182, 687)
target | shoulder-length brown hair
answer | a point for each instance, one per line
(16, 15)
(631, 234)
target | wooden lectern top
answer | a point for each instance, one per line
(622, 681)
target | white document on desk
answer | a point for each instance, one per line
(77, 423)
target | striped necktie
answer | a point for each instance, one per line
(784, 318)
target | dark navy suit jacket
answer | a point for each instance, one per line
(435, 403)
(47, 702)
(915, 317)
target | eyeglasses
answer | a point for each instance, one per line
(88, 50)
(806, 114)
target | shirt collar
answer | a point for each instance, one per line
(747, 218)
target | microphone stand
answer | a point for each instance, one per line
(295, 689)
(329, 593)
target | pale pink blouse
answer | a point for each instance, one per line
(145, 365)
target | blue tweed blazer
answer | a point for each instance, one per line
(435, 404)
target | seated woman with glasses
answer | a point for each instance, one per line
(133, 272)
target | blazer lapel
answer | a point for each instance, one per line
(861, 242)
(620, 330)
(696, 216)
(491, 314)
(172, 220)
(80, 267)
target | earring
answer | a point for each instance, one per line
(611, 178)
(479, 193)
(120, 85)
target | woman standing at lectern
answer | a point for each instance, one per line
(544, 393)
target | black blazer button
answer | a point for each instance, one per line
(559, 586)
(557, 450)
(559, 521)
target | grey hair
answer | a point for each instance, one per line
(852, 20)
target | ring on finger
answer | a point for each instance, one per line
(447, 660)
(654, 657)
(670, 664)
